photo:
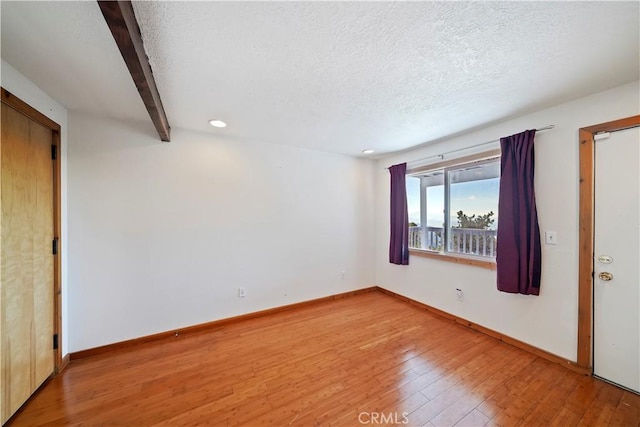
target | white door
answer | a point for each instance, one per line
(616, 333)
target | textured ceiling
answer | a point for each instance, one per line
(66, 49)
(333, 76)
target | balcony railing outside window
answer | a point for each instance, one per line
(469, 241)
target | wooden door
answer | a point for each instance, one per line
(616, 355)
(27, 274)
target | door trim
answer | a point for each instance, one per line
(586, 239)
(22, 107)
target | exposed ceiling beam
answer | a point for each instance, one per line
(125, 30)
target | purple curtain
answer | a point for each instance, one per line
(518, 256)
(399, 243)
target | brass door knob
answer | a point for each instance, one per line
(605, 276)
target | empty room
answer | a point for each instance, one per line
(320, 213)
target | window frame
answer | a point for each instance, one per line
(446, 166)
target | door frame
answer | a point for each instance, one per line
(19, 105)
(586, 234)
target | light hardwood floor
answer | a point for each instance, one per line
(347, 362)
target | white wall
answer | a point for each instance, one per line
(162, 234)
(20, 86)
(548, 321)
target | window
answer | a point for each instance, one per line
(454, 209)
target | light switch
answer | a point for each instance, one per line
(550, 237)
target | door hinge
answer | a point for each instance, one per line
(54, 152)
(55, 246)
(55, 341)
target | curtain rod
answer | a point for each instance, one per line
(441, 156)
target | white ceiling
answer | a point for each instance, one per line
(332, 76)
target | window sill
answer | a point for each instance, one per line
(476, 262)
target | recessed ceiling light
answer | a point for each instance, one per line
(217, 123)
(367, 151)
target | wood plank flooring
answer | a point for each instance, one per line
(365, 360)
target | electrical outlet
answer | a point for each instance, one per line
(242, 292)
(459, 294)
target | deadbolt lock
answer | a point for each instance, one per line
(605, 276)
(605, 259)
